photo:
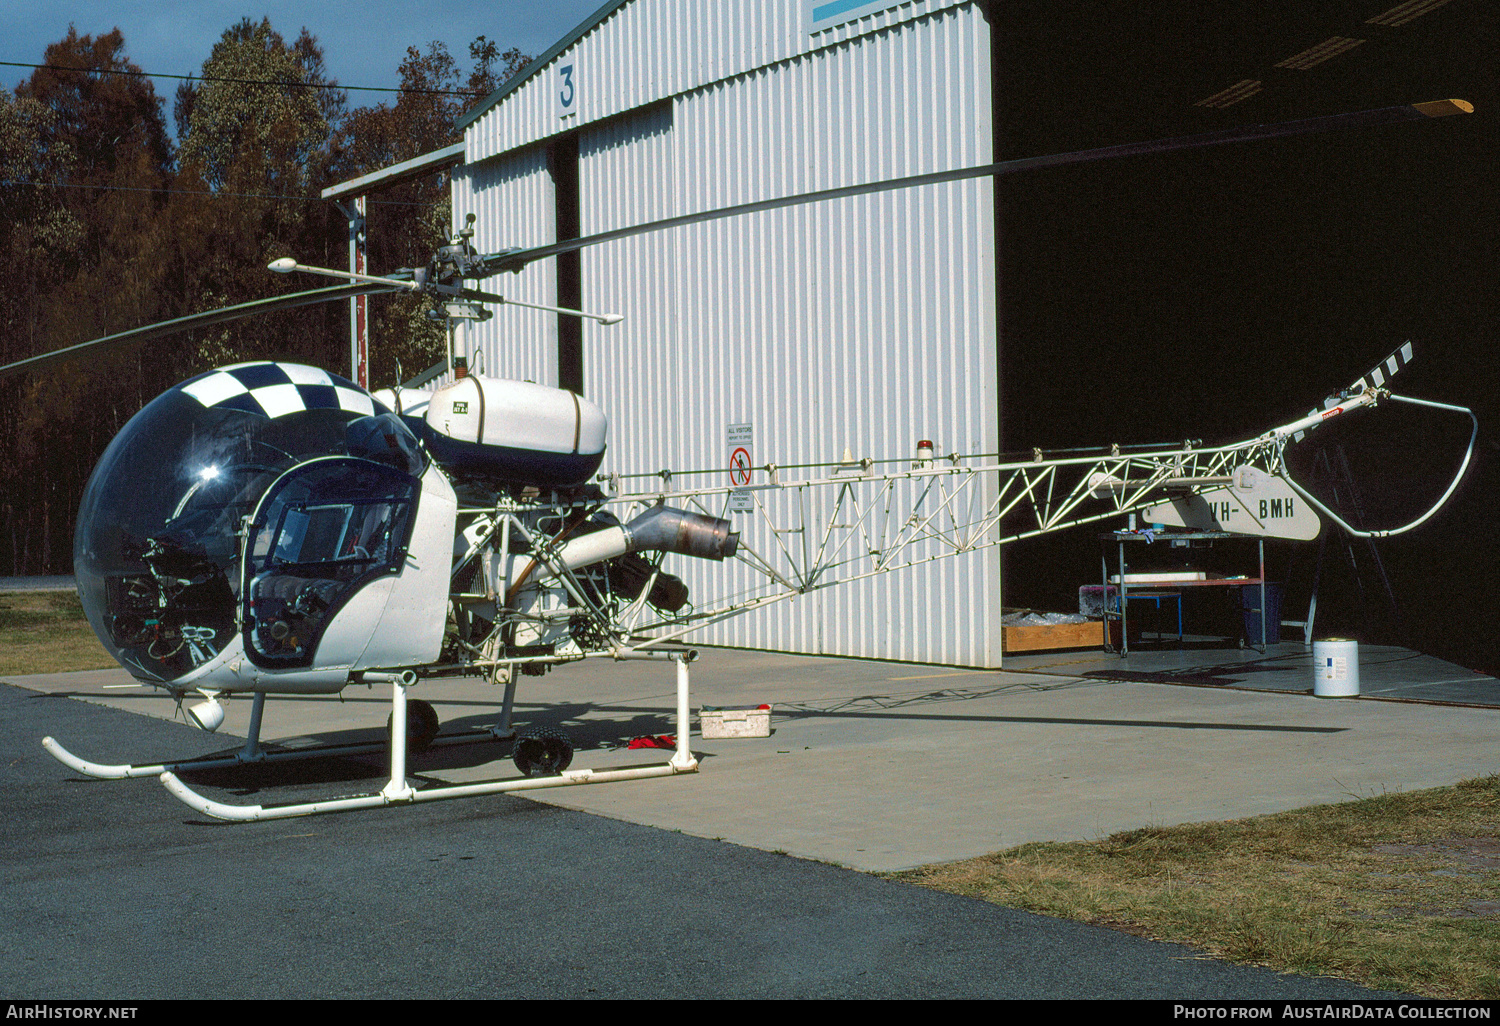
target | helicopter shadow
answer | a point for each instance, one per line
(586, 735)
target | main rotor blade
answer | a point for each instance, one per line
(516, 259)
(490, 297)
(427, 375)
(199, 320)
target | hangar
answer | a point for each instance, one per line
(866, 324)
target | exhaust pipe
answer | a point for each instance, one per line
(660, 529)
(663, 529)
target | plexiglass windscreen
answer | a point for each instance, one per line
(156, 550)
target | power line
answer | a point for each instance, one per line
(241, 81)
(195, 192)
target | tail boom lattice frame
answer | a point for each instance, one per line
(856, 520)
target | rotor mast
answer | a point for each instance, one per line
(351, 198)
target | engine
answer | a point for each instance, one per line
(547, 583)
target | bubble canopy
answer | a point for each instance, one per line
(157, 548)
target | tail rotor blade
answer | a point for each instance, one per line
(1387, 369)
(1376, 378)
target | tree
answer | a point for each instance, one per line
(255, 136)
(39, 235)
(409, 222)
(102, 105)
(85, 157)
(39, 239)
(262, 114)
(492, 68)
(107, 117)
(432, 99)
(103, 228)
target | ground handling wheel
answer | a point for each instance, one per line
(421, 725)
(542, 752)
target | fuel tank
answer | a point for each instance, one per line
(509, 431)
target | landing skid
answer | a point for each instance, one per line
(399, 791)
(252, 754)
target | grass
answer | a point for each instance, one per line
(46, 632)
(1398, 892)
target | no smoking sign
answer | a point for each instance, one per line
(739, 466)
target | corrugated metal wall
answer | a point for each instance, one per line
(512, 199)
(626, 365)
(865, 323)
(650, 49)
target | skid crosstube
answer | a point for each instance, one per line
(399, 791)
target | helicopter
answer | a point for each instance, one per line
(273, 528)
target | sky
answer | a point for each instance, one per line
(363, 43)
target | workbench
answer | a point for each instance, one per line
(1172, 582)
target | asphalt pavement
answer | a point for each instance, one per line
(115, 892)
(885, 766)
(747, 879)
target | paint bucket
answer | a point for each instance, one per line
(1336, 668)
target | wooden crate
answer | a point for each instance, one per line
(1056, 635)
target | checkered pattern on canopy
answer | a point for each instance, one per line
(277, 389)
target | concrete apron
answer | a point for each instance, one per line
(883, 766)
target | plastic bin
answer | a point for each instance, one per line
(1094, 599)
(1250, 607)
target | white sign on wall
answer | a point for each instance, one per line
(565, 88)
(741, 441)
